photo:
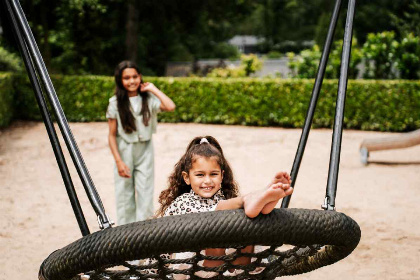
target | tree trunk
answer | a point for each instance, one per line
(131, 31)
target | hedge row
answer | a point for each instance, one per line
(370, 105)
(6, 99)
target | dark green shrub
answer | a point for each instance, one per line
(9, 61)
(408, 57)
(305, 65)
(379, 52)
(7, 99)
(370, 105)
(83, 98)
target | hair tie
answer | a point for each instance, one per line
(204, 140)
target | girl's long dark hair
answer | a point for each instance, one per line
(127, 118)
(176, 183)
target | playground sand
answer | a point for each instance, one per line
(36, 217)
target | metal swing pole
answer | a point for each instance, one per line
(49, 126)
(75, 154)
(329, 203)
(314, 99)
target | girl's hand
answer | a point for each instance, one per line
(147, 87)
(123, 170)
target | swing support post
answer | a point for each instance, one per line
(32, 57)
(61, 161)
(314, 99)
(329, 203)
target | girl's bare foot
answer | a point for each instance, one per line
(281, 177)
(265, 201)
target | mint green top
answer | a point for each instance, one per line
(142, 132)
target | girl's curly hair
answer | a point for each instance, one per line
(176, 183)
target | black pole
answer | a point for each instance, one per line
(61, 119)
(314, 99)
(339, 111)
(49, 126)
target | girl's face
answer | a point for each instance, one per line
(205, 176)
(131, 80)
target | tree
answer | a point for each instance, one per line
(409, 21)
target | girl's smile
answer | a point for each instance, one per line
(131, 80)
(205, 176)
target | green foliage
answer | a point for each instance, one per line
(370, 105)
(227, 72)
(383, 56)
(274, 55)
(408, 57)
(409, 21)
(334, 61)
(83, 98)
(225, 51)
(249, 65)
(305, 65)
(7, 101)
(9, 61)
(379, 52)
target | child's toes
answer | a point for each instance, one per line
(285, 186)
(289, 191)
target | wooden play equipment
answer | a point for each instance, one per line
(388, 143)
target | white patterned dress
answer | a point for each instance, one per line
(185, 204)
(193, 203)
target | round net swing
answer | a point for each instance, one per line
(285, 242)
(96, 253)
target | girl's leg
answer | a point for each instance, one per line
(222, 252)
(214, 252)
(265, 201)
(124, 188)
(144, 179)
(244, 260)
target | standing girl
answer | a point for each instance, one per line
(203, 181)
(132, 119)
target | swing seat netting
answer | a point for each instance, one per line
(311, 239)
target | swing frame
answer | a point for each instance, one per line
(330, 237)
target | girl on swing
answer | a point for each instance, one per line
(203, 181)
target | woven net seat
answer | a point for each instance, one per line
(317, 238)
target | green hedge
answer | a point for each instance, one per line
(370, 105)
(6, 99)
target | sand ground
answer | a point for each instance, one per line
(36, 217)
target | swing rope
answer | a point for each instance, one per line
(313, 238)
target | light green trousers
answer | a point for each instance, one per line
(134, 196)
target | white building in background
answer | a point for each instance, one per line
(271, 67)
(246, 43)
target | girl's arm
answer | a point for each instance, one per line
(166, 104)
(231, 204)
(123, 169)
